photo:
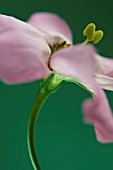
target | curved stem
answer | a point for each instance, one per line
(41, 98)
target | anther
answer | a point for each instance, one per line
(89, 31)
(63, 44)
(91, 34)
(98, 36)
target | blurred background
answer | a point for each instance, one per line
(63, 141)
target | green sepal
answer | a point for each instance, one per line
(76, 81)
(51, 84)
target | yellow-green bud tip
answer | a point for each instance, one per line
(98, 36)
(89, 31)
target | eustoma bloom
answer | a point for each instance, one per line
(42, 49)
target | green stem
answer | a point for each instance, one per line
(41, 98)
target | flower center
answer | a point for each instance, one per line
(91, 36)
(59, 46)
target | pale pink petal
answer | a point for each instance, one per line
(24, 53)
(51, 23)
(77, 62)
(104, 72)
(54, 39)
(105, 82)
(98, 113)
(104, 65)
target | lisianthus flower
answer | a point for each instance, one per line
(35, 50)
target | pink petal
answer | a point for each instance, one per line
(51, 23)
(97, 112)
(77, 62)
(54, 39)
(104, 72)
(104, 65)
(24, 53)
(105, 82)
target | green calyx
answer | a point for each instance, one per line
(91, 34)
(52, 83)
(55, 81)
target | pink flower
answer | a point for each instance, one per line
(26, 55)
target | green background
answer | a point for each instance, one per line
(63, 141)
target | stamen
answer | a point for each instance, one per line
(63, 44)
(85, 42)
(98, 36)
(91, 34)
(90, 31)
(67, 45)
